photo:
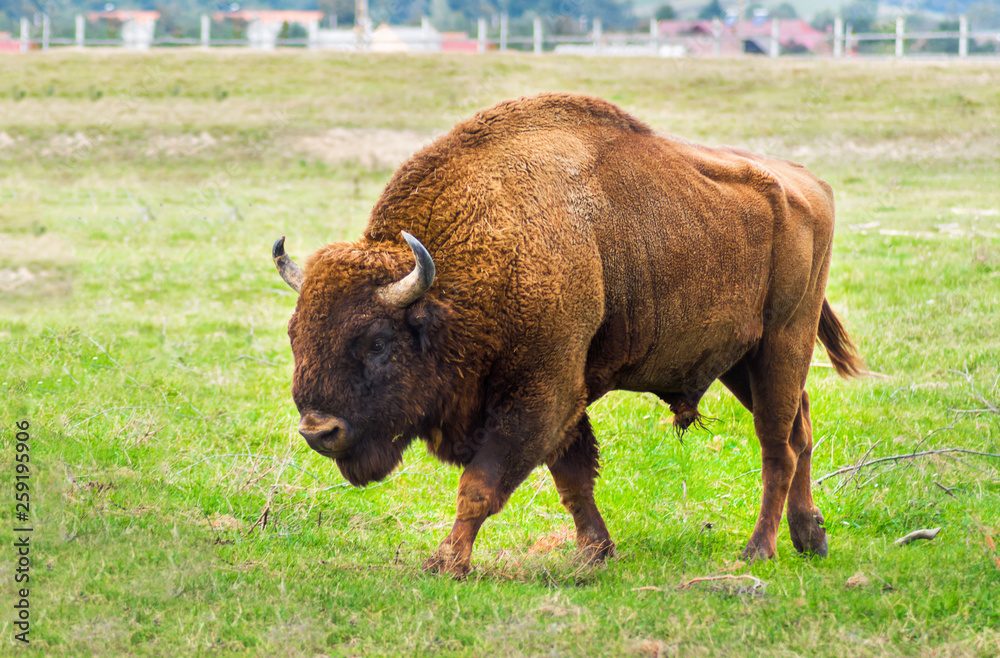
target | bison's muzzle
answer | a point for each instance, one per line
(328, 435)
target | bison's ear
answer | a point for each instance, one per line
(426, 318)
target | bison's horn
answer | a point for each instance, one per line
(412, 287)
(289, 271)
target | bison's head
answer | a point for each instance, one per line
(363, 340)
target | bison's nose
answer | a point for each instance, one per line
(327, 435)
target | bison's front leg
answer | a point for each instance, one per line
(478, 498)
(506, 452)
(574, 473)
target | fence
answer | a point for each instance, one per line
(841, 42)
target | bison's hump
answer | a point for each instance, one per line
(549, 111)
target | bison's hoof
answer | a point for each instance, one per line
(595, 552)
(808, 534)
(757, 550)
(447, 563)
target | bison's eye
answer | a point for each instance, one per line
(375, 345)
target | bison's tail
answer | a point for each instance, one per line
(843, 354)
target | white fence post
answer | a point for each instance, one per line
(900, 21)
(363, 30)
(206, 31)
(481, 36)
(775, 48)
(838, 37)
(313, 30)
(654, 35)
(25, 35)
(46, 31)
(716, 37)
(503, 32)
(81, 38)
(536, 28)
(963, 36)
(598, 34)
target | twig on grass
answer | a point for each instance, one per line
(218, 540)
(911, 455)
(863, 459)
(926, 533)
(757, 582)
(101, 347)
(261, 521)
(968, 465)
(991, 407)
(945, 489)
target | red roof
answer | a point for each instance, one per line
(790, 30)
(124, 15)
(458, 42)
(268, 16)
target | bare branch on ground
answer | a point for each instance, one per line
(912, 455)
(945, 489)
(926, 533)
(757, 582)
(261, 521)
(991, 407)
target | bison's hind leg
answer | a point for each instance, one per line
(805, 521)
(574, 472)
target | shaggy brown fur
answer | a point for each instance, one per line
(577, 252)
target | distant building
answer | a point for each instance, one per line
(264, 26)
(795, 36)
(339, 39)
(138, 27)
(8, 44)
(404, 39)
(398, 39)
(458, 42)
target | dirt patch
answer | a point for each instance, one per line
(35, 266)
(222, 522)
(370, 148)
(11, 279)
(6, 141)
(65, 145)
(179, 145)
(24, 283)
(27, 249)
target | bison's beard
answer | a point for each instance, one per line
(372, 460)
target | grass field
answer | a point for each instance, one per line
(143, 337)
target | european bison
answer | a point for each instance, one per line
(556, 249)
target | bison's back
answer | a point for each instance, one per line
(699, 245)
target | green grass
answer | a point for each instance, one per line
(144, 339)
